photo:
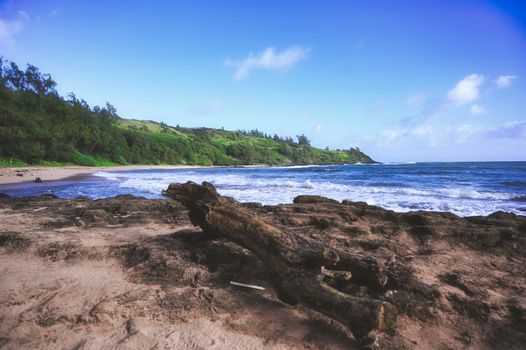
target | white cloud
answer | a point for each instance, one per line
(421, 131)
(477, 110)
(467, 90)
(269, 59)
(466, 132)
(504, 81)
(426, 135)
(53, 13)
(430, 111)
(10, 28)
(430, 136)
(511, 130)
(317, 128)
(383, 138)
(445, 142)
(416, 100)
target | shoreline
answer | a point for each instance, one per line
(19, 181)
(21, 175)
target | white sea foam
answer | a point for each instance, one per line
(282, 189)
(299, 166)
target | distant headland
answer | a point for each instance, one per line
(40, 127)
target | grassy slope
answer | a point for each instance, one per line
(223, 139)
(265, 148)
(39, 127)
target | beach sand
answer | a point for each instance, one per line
(132, 273)
(75, 276)
(19, 175)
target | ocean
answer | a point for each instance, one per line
(470, 188)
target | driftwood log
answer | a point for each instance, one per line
(302, 270)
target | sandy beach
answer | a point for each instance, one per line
(27, 174)
(135, 281)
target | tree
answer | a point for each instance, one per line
(303, 140)
(112, 111)
(38, 124)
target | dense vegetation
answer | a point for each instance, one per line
(37, 126)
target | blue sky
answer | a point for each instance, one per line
(403, 80)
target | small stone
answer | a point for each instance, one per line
(130, 326)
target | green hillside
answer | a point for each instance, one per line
(37, 126)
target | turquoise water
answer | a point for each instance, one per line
(463, 188)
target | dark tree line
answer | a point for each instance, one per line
(37, 124)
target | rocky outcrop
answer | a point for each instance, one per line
(425, 263)
(302, 270)
(133, 271)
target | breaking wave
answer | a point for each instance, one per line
(462, 188)
(282, 184)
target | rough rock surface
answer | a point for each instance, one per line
(128, 273)
(347, 287)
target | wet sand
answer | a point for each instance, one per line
(10, 176)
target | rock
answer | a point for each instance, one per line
(446, 275)
(415, 218)
(321, 223)
(296, 263)
(255, 205)
(48, 196)
(131, 327)
(303, 199)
